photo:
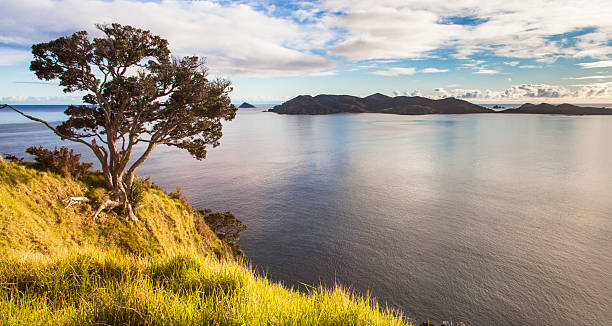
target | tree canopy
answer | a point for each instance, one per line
(136, 95)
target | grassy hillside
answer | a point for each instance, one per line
(33, 217)
(59, 267)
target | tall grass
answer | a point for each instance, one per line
(99, 287)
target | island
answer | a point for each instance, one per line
(415, 105)
(246, 105)
(376, 103)
(563, 109)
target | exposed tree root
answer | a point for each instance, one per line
(75, 200)
(110, 204)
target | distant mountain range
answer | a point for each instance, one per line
(379, 103)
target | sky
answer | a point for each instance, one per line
(482, 51)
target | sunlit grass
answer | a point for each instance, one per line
(33, 217)
(100, 287)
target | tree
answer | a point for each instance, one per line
(135, 93)
(224, 224)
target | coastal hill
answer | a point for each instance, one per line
(566, 109)
(376, 103)
(246, 105)
(60, 267)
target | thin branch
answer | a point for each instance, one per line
(93, 146)
(46, 124)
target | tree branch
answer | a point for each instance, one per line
(46, 124)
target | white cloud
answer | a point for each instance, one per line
(597, 90)
(236, 39)
(473, 63)
(65, 99)
(324, 73)
(526, 92)
(395, 71)
(596, 64)
(592, 77)
(11, 56)
(484, 71)
(530, 67)
(512, 63)
(384, 61)
(536, 90)
(415, 92)
(514, 29)
(433, 70)
(590, 45)
(386, 32)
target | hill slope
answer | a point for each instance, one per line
(33, 218)
(376, 103)
(61, 268)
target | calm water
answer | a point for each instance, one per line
(489, 219)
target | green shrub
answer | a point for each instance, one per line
(94, 180)
(138, 191)
(98, 195)
(63, 161)
(13, 158)
(226, 227)
(150, 184)
(178, 195)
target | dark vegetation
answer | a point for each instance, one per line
(13, 158)
(62, 161)
(226, 227)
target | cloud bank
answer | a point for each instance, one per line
(525, 92)
(237, 39)
(543, 30)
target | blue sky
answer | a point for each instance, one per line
(486, 52)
